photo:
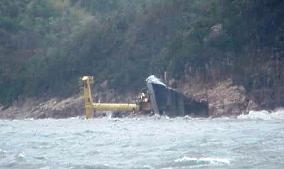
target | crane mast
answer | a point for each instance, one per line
(91, 107)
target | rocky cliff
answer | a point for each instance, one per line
(40, 108)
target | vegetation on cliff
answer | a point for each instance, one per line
(45, 46)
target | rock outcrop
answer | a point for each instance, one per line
(52, 108)
(226, 99)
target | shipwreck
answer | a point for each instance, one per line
(159, 99)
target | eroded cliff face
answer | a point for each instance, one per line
(39, 108)
(224, 98)
(268, 98)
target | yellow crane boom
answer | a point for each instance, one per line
(91, 107)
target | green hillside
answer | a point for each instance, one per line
(45, 46)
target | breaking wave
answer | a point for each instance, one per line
(203, 160)
(277, 114)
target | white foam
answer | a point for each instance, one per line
(20, 156)
(148, 166)
(264, 115)
(76, 117)
(46, 167)
(3, 151)
(211, 160)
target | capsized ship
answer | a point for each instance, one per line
(172, 103)
(159, 99)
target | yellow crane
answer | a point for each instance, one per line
(91, 107)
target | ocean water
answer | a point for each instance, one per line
(249, 141)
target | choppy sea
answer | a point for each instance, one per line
(253, 141)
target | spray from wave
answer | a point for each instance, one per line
(277, 114)
(205, 160)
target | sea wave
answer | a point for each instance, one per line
(209, 160)
(277, 114)
(2, 153)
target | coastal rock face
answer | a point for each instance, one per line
(52, 108)
(226, 99)
(268, 98)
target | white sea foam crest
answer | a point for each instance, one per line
(277, 114)
(20, 156)
(211, 160)
(46, 167)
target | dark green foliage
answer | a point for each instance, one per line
(45, 46)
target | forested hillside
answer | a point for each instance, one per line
(45, 46)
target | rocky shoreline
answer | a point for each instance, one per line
(224, 98)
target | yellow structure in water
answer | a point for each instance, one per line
(91, 107)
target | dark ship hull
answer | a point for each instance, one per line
(170, 102)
